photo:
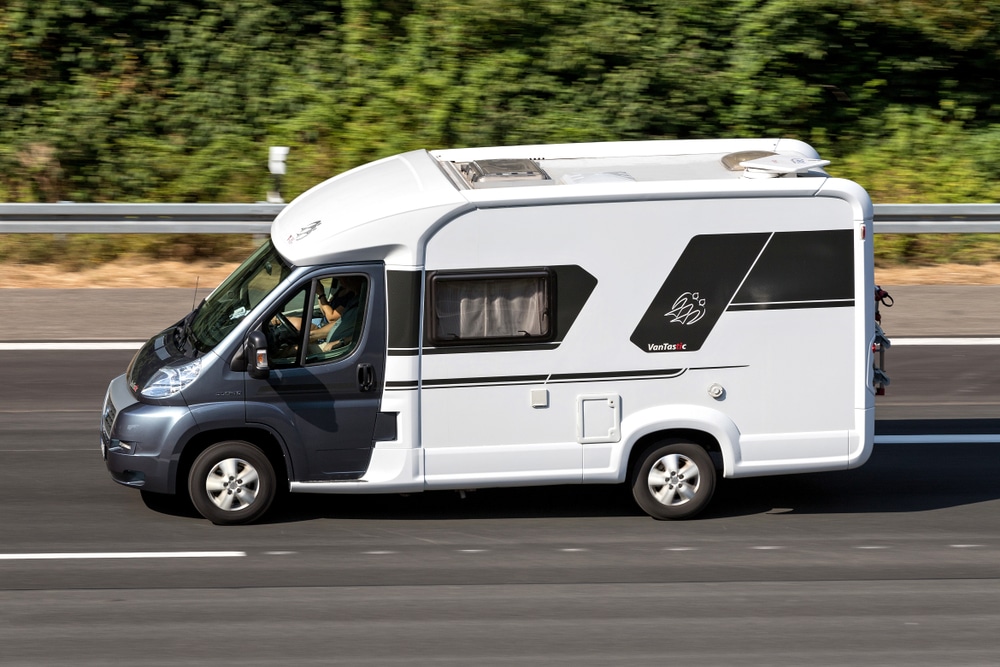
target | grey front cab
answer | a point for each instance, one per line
(312, 423)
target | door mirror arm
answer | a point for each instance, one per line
(238, 364)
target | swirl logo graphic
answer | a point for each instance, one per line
(687, 309)
(303, 232)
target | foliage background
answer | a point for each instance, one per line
(178, 100)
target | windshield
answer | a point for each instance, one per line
(233, 300)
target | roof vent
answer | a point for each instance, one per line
(733, 161)
(503, 173)
(774, 166)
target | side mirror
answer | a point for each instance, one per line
(256, 355)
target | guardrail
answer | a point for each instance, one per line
(74, 218)
(937, 218)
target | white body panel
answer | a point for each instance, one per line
(795, 381)
(789, 375)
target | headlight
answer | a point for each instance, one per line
(171, 379)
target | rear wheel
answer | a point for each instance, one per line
(232, 482)
(673, 480)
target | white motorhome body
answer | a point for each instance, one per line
(583, 313)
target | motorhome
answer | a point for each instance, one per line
(657, 313)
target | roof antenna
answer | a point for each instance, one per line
(194, 299)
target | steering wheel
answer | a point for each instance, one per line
(284, 330)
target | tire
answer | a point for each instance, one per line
(232, 482)
(673, 480)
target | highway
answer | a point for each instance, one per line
(896, 563)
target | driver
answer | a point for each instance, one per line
(343, 298)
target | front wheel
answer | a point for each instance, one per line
(232, 482)
(673, 481)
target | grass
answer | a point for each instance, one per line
(933, 249)
(74, 252)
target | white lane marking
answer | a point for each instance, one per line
(113, 555)
(471, 551)
(944, 439)
(764, 548)
(62, 450)
(47, 412)
(72, 347)
(944, 341)
(378, 553)
(681, 549)
(871, 547)
(573, 551)
(965, 546)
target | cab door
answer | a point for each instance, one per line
(324, 389)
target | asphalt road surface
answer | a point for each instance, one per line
(896, 563)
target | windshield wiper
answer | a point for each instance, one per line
(184, 332)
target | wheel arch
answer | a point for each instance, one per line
(202, 440)
(711, 429)
(701, 438)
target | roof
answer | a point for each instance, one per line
(624, 161)
(408, 194)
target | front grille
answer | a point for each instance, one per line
(108, 421)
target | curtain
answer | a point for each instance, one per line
(491, 308)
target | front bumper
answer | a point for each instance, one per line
(140, 443)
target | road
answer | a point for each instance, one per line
(896, 563)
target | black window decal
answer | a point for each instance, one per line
(812, 269)
(801, 268)
(697, 291)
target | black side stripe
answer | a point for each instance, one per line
(400, 385)
(789, 305)
(412, 351)
(499, 347)
(557, 378)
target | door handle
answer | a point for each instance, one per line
(366, 377)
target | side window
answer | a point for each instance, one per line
(490, 307)
(283, 331)
(333, 318)
(339, 303)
